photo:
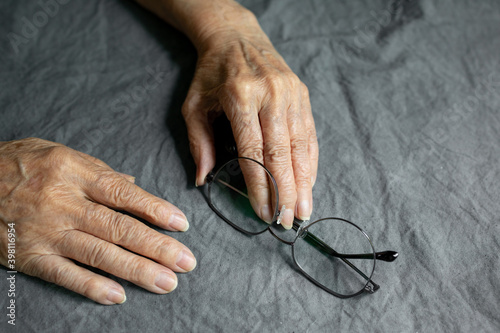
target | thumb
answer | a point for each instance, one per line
(201, 137)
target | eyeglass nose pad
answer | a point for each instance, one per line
(280, 214)
(302, 228)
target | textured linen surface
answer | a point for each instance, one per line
(405, 96)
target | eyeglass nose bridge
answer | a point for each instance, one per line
(299, 227)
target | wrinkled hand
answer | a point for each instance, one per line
(240, 73)
(61, 203)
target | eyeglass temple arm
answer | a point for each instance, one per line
(384, 256)
(388, 256)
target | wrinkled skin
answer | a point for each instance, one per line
(241, 74)
(62, 204)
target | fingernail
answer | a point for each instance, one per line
(304, 210)
(313, 181)
(186, 261)
(166, 282)
(265, 213)
(116, 296)
(196, 183)
(178, 222)
(287, 221)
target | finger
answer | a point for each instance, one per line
(277, 157)
(135, 236)
(300, 159)
(112, 190)
(97, 161)
(200, 134)
(65, 273)
(248, 137)
(127, 177)
(110, 258)
(313, 148)
(94, 160)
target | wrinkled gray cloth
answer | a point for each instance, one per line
(405, 96)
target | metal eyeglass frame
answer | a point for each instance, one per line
(302, 232)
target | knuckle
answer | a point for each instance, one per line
(93, 212)
(311, 134)
(96, 255)
(138, 270)
(189, 106)
(304, 90)
(153, 208)
(119, 229)
(90, 287)
(117, 192)
(168, 250)
(276, 85)
(273, 78)
(58, 158)
(292, 79)
(149, 206)
(249, 150)
(277, 154)
(303, 183)
(105, 181)
(313, 146)
(242, 90)
(282, 79)
(298, 145)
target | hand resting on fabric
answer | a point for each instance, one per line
(241, 74)
(62, 205)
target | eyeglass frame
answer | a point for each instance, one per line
(301, 231)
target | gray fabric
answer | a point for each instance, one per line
(405, 96)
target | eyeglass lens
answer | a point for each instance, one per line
(229, 196)
(343, 276)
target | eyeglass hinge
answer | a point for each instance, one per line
(210, 177)
(371, 287)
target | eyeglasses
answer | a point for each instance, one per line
(333, 253)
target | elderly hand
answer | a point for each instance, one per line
(61, 204)
(240, 73)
